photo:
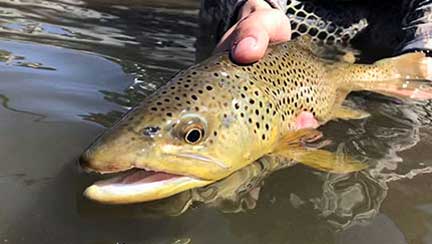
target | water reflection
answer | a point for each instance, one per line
(5, 103)
(349, 200)
(49, 20)
(9, 58)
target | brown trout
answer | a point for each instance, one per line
(216, 117)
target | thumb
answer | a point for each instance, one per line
(250, 41)
(249, 38)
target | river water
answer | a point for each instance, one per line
(68, 69)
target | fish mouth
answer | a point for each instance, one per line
(136, 185)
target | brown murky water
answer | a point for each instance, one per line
(68, 69)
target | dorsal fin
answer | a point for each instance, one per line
(331, 52)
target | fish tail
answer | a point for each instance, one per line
(405, 76)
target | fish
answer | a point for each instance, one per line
(216, 117)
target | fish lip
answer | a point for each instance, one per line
(117, 189)
(133, 166)
(89, 169)
(143, 165)
(112, 191)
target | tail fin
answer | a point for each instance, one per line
(411, 65)
(405, 76)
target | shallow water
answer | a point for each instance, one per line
(68, 69)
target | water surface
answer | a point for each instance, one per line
(68, 69)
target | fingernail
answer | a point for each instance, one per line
(246, 44)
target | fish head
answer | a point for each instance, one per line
(199, 144)
(185, 135)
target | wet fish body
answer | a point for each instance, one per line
(217, 117)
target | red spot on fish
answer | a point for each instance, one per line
(306, 120)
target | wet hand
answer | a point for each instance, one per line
(259, 24)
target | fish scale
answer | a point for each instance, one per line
(273, 91)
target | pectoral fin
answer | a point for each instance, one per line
(347, 113)
(292, 147)
(299, 137)
(323, 160)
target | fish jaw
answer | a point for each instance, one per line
(156, 175)
(141, 186)
(138, 181)
(176, 162)
(142, 181)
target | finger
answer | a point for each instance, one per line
(250, 37)
(250, 40)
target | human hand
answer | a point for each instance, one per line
(259, 24)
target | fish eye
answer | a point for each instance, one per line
(190, 129)
(194, 135)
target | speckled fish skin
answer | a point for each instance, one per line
(243, 110)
